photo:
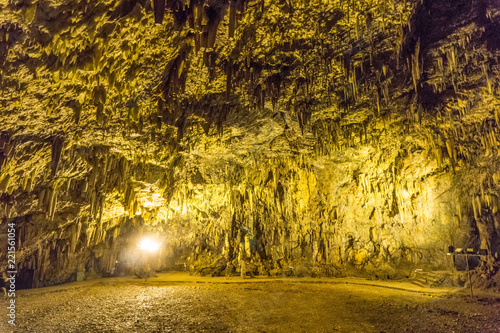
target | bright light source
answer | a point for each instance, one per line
(148, 244)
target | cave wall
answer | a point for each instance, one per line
(334, 137)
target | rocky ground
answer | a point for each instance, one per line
(252, 305)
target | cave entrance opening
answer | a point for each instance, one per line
(24, 279)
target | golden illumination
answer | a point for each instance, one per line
(148, 244)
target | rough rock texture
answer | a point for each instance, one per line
(305, 137)
(252, 306)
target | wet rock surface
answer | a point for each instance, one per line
(253, 306)
(355, 136)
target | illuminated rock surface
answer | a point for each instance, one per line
(313, 138)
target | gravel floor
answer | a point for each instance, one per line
(248, 307)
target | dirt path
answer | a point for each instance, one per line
(260, 306)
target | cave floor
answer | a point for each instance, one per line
(178, 302)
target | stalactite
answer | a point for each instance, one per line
(159, 10)
(4, 183)
(57, 145)
(89, 232)
(52, 203)
(415, 68)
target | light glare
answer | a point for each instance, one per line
(147, 244)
